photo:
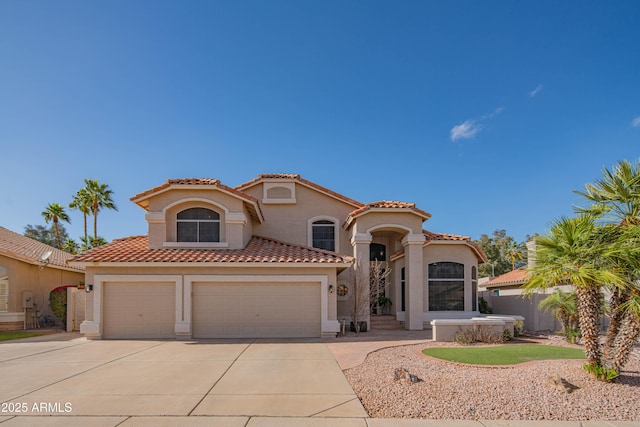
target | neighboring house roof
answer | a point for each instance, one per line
(141, 198)
(297, 178)
(386, 206)
(17, 246)
(515, 277)
(262, 250)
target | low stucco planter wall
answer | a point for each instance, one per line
(444, 330)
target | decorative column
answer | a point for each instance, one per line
(362, 286)
(414, 281)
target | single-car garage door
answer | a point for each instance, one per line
(139, 310)
(260, 310)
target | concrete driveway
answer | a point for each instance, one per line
(73, 376)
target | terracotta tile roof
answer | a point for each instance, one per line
(138, 198)
(16, 245)
(386, 204)
(444, 236)
(302, 181)
(515, 277)
(259, 250)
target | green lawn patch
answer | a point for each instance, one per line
(6, 336)
(504, 354)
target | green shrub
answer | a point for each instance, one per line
(601, 373)
(477, 333)
(518, 328)
(58, 303)
(483, 306)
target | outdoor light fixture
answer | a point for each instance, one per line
(88, 288)
(331, 289)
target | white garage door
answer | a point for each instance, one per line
(261, 310)
(139, 310)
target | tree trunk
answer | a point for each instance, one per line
(615, 320)
(95, 224)
(55, 227)
(84, 214)
(589, 314)
(624, 342)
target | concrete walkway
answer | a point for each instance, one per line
(64, 380)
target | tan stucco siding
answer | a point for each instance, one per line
(27, 277)
(371, 222)
(290, 222)
(164, 207)
(91, 272)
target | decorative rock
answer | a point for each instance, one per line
(560, 384)
(404, 376)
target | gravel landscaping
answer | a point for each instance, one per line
(520, 392)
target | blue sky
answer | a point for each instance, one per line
(485, 114)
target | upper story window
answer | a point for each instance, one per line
(324, 235)
(198, 225)
(4, 289)
(446, 286)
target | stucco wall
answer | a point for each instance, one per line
(290, 222)
(244, 271)
(27, 277)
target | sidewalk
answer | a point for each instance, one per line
(198, 421)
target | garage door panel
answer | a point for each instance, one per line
(139, 310)
(256, 310)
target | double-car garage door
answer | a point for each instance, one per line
(219, 310)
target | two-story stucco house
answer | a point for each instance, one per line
(273, 257)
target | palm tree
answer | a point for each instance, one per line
(564, 308)
(572, 254)
(100, 197)
(82, 202)
(55, 212)
(514, 253)
(616, 200)
(70, 246)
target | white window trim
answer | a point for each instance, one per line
(336, 230)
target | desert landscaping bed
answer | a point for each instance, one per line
(518, 392)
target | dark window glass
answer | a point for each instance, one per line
(446, 286)
(474, 289)
(198, 225)
(446, 295)
(446, 270)
(377, 252)
(199, 213)
(402, 288)
(323, 235)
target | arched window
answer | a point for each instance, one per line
(323, 235)
(446, 286)
(4, 288)
(198, 225)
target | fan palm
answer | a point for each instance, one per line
(564, 308)
(572, 253)
(55, 212)
(100, 196)
(82, 202)
(616, 200)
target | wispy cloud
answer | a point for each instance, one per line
(635, 122)
(470, 128)
(465, 130)
(535, 91)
